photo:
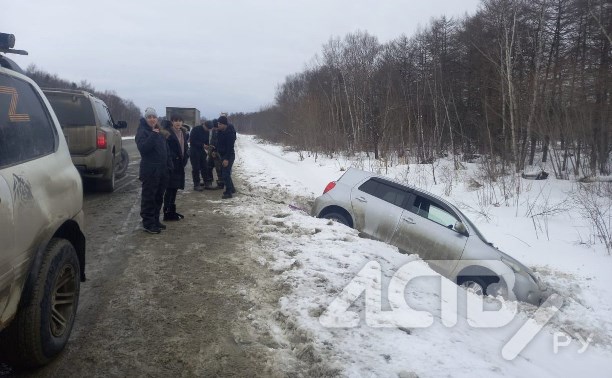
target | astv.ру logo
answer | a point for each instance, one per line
(400, 314)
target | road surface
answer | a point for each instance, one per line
(178, 303)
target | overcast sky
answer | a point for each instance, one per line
(216, 55)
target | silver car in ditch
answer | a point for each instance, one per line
(419, 222)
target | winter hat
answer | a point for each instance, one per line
(222, 120)
(215, 123)
(150, 112)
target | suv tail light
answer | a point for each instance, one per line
(101, 140)
(329, 187)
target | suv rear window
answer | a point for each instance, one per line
(26, 129)
(72, 110)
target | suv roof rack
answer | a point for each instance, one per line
(68, 90)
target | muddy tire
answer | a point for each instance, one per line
(122, 166)
(47, 309)
(340, 218)
(107, 184)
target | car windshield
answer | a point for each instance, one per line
(72, 110)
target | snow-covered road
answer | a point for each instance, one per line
(315, 260)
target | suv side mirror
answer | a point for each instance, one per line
(460, 228)
(121, 125)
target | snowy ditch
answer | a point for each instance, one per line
(315, 260)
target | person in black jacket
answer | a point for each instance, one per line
(155, 166)
(198, 138)
(226, 138)
(177, 149)
(214, 162)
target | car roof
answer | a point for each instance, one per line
(68, 91)
(356, 175)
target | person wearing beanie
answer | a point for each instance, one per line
(150, 112)
(226, 138)
(155, 166)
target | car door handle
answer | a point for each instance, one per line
(361, 199)
(408, 220)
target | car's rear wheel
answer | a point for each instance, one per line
(337, 217)
(122, 166)
(47, 310)
(107, 184)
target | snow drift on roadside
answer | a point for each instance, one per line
(316, 260)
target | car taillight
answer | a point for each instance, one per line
(101, 140)
(329, 187)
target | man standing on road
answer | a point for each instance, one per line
(198, 138)
(226, 138)
(214, 162)
(208, 178)
(154, 170)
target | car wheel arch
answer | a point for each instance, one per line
(70, 231)
(475, 271)
(337, 209)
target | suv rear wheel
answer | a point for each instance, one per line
(47, 310)
(107, 184)
(122, 166)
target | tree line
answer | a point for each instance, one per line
(121, 109)
(519, 81)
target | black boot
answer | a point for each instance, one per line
(166, 213)
(172, 214)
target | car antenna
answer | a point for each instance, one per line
(7, 42)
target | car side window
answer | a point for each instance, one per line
(27, 131)
(391, 194)
(369, 187)
(434, 212)
(104, 114)
(110, 117)
(385, 192)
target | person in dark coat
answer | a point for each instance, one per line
(177, 149)
(198, 138)
(208, 177)
(226, 138)
(155, 166)
(214, 162)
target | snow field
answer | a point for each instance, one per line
(314, 260)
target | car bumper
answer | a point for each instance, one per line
(528, 289)
(95, 165)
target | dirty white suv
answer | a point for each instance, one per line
(42, 246)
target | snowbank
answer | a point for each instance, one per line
(316, 260)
